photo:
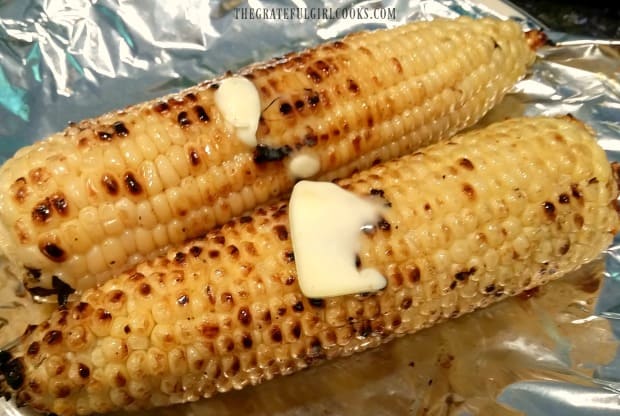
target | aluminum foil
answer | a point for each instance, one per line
(552, 351)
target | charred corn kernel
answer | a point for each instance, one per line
(226, 311)
(344, 105)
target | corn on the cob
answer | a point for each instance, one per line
(473, 220)
(103, 194)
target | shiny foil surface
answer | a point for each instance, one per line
(551, 351)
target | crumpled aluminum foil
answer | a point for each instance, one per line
(552, 351)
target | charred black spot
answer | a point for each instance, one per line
(464, 275)
(33, 272)
(105, 136)
(60, 204)
(246, 341)
(564, 248)
(214, 86)
(490, 288)
(296, 330)
(352, 86)
(289, 256)
(52, 251)
(183, 300)
(52, 337)
(62, 290)
(414, 275)
(365, 330)
(281, 232)
(191, 96)
(313, 100)
(453, 285)
(132, 184)
(194, 158)
(575, 191)
(13, 372)
(201, 113)
(377, 192)
(195, 251)
(83, 370)
(5, 357)
(358, 261)
(549, 209)
(110, 184)
(310, 140)
(245, 219)
(299, 104)
(179, 257)
(276, 334)
(466, 163)
(120, 129)
(104, 315)
(30, 329)
(81, 307)
(145, 289)
(593, 180)
(267, 317)
(213, 254)
(313, 75)
(264, 153)
(233, 250)
(285, 108)
(563, 199)
(406, 303)
(298, 306)
(244, 316)
(41, 212)
(322, 66)
(384, 225)
(290, 280)
(183, 120)
(469, 191)
(161, 107)
(127, 329)
(33, 348)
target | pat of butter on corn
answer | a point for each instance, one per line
(239, 103)
(326, 223)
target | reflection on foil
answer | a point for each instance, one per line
(553, 351)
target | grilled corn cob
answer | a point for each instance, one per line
(103, 194)
(471, 221)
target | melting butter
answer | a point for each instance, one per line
(238, 101)
(304, 165)
(326, 223)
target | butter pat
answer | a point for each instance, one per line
(326, 223)
(238, 101)
(304, 165)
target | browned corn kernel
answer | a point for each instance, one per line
(105, 193)
(483, 216)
